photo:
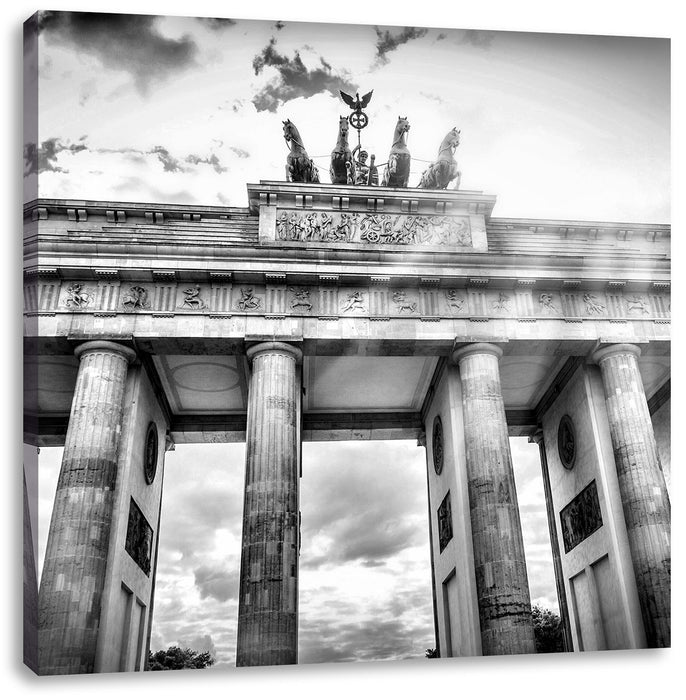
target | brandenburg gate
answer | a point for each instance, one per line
(351, 312)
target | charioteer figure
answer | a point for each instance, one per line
(365, 174)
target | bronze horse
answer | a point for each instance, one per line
(444, 169)
(341, 169)
(397, 171)
(299, 166)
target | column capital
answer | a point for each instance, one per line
(615, 349)
(274, 348)
(537, 436)
(476, 349)
(107, 346)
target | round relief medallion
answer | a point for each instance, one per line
(150, 458)
(566, 442)
(437, 445)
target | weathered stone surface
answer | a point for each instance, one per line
(645, 500)
(268, 595)
(500, 567)
(76, 555)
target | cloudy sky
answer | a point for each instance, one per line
(188, 110)
(170, 109)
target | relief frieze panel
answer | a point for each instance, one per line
(373, 228)
(378, 300)
(78, 296)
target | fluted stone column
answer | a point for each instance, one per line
(500, 568)
(268, 596)
(645, 500)
(78, 539)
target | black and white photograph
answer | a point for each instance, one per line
(343, 341)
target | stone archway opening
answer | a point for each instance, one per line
(365, 571)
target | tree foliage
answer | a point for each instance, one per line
(547, 630)
(174, 658)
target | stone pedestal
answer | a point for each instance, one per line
(501, 580)
(645, 501)
(77, 549)
(268, 596)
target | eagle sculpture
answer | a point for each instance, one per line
(355, 102)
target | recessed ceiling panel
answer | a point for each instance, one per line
(49, 383)
(367, 383)
(202, 383)
(523, 379)
(655, 371)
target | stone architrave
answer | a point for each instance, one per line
(78, 539)
(500, 567)
(645, 501)
(268, 595)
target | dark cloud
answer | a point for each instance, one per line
(212, 160)
(169, 163)
(44, 158)
(386, 42)
(130, 43)
(216, 23)
(294, 79)
(362, 518)
(375, 640)
(220, 583)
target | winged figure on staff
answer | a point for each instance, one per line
(355, 103)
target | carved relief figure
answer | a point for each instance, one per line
(445, 522)
(76, 297)
(397, 172)
(193, 300)
(301, 298)
(453, 300)
(400, 300)
(546, 302)
(447, 230)
(636, 303)
(299, 166)
(581, 517)
(248, 300)
(315, 226)
(355, 302)
(282, 232)
(592, 305)
(444, 169)
(393, 229)
(341, 168)
(503, 303)
(136, 298)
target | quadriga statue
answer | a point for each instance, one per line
(341, 169)
(299, 166)
(397, 171)
(444, 169)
